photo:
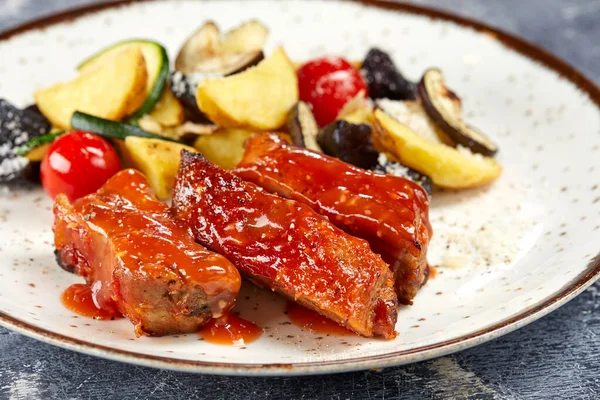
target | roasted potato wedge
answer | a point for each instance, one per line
(111, 91)
(412, 114)
(357, 111)
(168, 111)
(447, 166)
(123, 152)
(37, 154)
(182, 133)
(157, 159)
(258, 98)
(151, 125)
(225, 147)
(358, 116)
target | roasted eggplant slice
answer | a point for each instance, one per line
(383, 78)
(302, 127)
(349, 142)
(206, 51)
(389, 167)
(203, 43)
(184, 89)
(226, 64)
(440, 103)
(17, 127)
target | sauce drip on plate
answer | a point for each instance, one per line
(308, 319)
(79, 299)
(432, 272)
(230, 329)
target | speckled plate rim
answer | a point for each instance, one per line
(526, 316)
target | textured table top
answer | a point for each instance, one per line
(555, 357)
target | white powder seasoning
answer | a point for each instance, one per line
(394, 169)
(411, 114)
(484, 227)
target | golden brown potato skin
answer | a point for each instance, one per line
(168, 111)
(225, 147)
(157, 159)
(447, 166)
(258, 98)
(139, 261)
(111, 91)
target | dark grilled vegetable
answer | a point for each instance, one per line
(31, 172)
(229, 63)
(302, 127)
(353, 144)
(17, 127)
(34, 109)
(207, 52)
(184, 89)
(201, 44)
(349, 142)
(383, 78)
(440, 103)
(385, 166)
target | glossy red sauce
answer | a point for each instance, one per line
(79, 299)
(376, 207)
(390, 212)
(432, 272)
(229, 329)
(308, 319)
(122, 238)
(285, 245)
(146, 236)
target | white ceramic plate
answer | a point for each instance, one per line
(541, 226)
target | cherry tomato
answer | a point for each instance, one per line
(78, 163)
(327, 84)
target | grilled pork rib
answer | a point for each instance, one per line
(390, 212)
(139, 261)
(286, 246)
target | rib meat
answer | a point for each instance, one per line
(139, 261)
(286, 246)
(390, 212)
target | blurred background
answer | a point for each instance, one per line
(577, 40)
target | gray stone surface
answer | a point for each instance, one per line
(556, 357)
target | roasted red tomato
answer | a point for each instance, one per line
(78, 163)
(327, 84)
